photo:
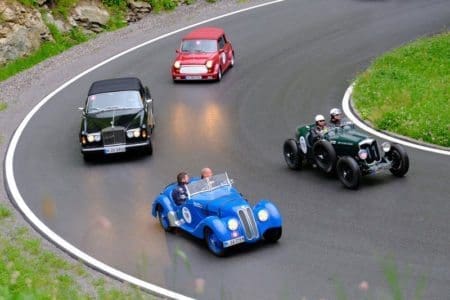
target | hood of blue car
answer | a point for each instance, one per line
(221, 201)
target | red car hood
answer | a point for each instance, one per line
(195, 58)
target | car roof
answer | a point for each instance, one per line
(204, 33)
(115, 85)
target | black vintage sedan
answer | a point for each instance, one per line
(117, 117)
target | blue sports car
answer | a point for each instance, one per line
(216, 212)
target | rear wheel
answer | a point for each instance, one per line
(214, 244)
(292, 155)
(400, 160)
(232, 60)
(324, 156)
(164, 220)
(348, 172)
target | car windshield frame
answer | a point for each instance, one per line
(208, 184)
(131, 99)
(340, 129)
(199, 46)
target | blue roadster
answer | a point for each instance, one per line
(216, 212)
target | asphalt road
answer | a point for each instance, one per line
(293, 60)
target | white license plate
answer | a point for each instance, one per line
(193, 77)
(115, 149)
(233, 242)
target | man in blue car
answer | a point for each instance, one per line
(179, 193)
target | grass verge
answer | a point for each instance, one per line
(407, 91)
(27, 271)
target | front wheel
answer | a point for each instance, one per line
(400, 160)
(214, 244)
(164, 220)
(348, 172)
(324, 156)
(219, 74)
(272, 235)
(292, 155)
(232, 60)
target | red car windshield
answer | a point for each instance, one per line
(199, 46)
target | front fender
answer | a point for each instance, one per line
(274, 220)
(164, 202)
(217, 225)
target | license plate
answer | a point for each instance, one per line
(115, 149)
(193, 77)
(233, 242)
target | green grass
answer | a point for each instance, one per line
(159, 5)
(407, 91)
(27, 271)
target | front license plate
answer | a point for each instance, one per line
(233, 242)
(115, 149)
(192, 77)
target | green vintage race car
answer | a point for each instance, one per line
(345, 151)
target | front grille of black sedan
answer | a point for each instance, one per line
(248, 221)
(113, 136)
(372, 152)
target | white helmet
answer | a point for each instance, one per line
(319, 118)
(335, 111)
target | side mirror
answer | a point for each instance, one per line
(149, 101)
(177, 51)
(147, 92)
(82, 110)
(221, 51)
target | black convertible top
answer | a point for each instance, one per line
(115, 85)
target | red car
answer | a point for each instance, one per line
(204, 54)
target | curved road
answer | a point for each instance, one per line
(294, 59)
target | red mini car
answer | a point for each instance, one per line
(204, 54)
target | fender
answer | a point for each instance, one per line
(275, 219)
(165, 202)
(215, 224)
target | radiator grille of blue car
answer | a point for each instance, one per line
(248, 221)
(113, 136)
(372, 152)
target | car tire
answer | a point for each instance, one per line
(88, 157)
(348, 172)
(292, 154)
(213, 243)
(324, 156)
(219, 74)
(149, 148)
(400, 160)
(272, 235)
(232, 60)
(163, 220)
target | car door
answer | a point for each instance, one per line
(224, 57)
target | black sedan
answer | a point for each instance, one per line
(117, 117)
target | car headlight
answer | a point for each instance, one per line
(362, 154)
(232, 224)
(133, 133)
(386, 146)
(177, 64)
(93, 137)
(209, 64)
(263, 215)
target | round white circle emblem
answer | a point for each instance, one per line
(186, 214)
(303, 145)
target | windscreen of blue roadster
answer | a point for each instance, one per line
(114, 100)
(208, 184)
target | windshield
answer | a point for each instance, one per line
(114, 100)
(208, 184)
(199, 46)
(341, 129)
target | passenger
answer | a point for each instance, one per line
(179, 193)
(320, 129)
(336, 118)
(206, 173)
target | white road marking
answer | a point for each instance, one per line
(17, 197)
(354, 119)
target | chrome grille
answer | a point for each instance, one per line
(248, 221)
(113, 136)
(372, 151)
(193, 69)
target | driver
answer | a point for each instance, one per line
(179, 193)
(336, 117)
(320, 129)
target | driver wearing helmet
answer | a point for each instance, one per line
(336, 119)
(319, 129)
(180, 194)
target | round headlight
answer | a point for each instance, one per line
(386, 146)
(263, 215)
(233, 224)
(177, 64)
(209, 64)
(130, 134)
(362, 154)
(137, 133)
(90, 138)
(97, 137)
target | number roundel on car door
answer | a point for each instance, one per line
(186, 215)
